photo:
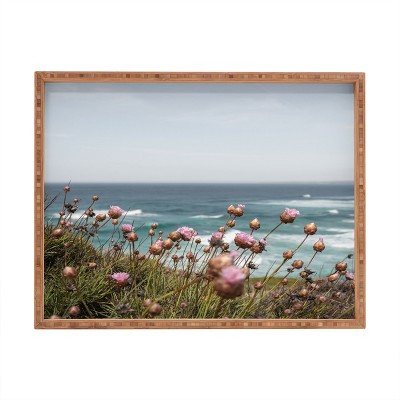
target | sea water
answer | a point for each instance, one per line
(203, 207)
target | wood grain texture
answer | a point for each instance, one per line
(358, 81)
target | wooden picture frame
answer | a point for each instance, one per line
(355, 79)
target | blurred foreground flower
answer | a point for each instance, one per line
(230, 283)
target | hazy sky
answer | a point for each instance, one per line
(184, 132)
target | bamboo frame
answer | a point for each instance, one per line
(357, 79)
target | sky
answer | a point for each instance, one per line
(194, 133)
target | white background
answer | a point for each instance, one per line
(199, 36)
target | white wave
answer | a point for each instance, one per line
(307, 195)
(315, 203)
(348, 221)
(342, 240)
(339, 230)
(207, 216)
(333, 211)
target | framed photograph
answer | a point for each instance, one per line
(199, 200)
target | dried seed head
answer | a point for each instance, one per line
(175, 236)
(74, 311)
(288, 254)
(310, 229)
(70, 272)
(297, 264)
(132, 237)
(57, 233)
(231, 223)
(225, 246)
(341, 266)
(155, 309)
(255, 224)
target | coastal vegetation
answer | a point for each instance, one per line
(149, 273)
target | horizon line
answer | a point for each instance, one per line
(201, 183)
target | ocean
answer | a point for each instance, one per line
(203, 207)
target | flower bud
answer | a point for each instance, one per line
(198, 241)
(184, 305)
(231, 223)
(57, 233)
(115, 222)
(288, 254)
(175, 236)
(92, 265)
(238, 212)
(349, 276)
(256, 248)
(207, 249)
(303, 292)
(101, 217)
(284, 281)
(230, 209)
(95, 198)
(321, 299)
(297, 306)
(147, 303)
(74, 311)
(258, 285)
(255, 224)
(336, 295)
(190, 256)
(67, 188)
(225, 246)
(319, 246)
(333, 277)
(156, 249)
(76, 200)
(70, 272)
(141, 256)
(297, 264)
(310, 229)
(303, 274)
(341, 266)
(154, 226)
(132, 237)
(168, 244)
(216, 264)
(155, 309)
(288, 312)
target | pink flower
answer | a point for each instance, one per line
(292, 212)
(263, 242)
(159, 242)
(115, 212)
(126, 228)
(242, 206)
(349, 276)
(232, 275)
(244, 240)
(121, 278)
(230, 283)
(216, 239)
(187, 233)
(234, 254)
(289, 215)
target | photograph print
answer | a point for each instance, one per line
(227, 201)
